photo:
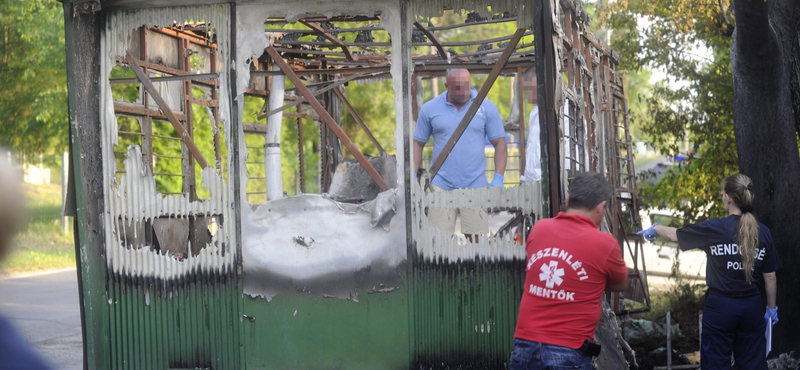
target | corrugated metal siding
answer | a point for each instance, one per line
(466, 294)
(164, 313)
(466, 312)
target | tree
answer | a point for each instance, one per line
(694, 105)
(765, 55)
(743, 118)
(33, 101)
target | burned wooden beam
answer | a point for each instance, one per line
(332, 38)
(204, 76)
(302, 99)
(140, 111)
(151, 89)
(433, 39)
(358, 119)
(327, 119)
(476, 104)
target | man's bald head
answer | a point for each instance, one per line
(458, 86)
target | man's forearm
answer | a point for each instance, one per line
(771, 287)
(418, 155)
(500, 156)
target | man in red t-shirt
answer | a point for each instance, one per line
(570, 264)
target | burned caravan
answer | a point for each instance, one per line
(184, 116)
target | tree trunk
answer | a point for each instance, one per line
(785, 19)
(762, 53)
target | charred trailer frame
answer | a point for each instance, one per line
(177, 270)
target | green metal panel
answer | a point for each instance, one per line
(298, 330)
(186, 323)
(466, 312)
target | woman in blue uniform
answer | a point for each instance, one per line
(739, 250)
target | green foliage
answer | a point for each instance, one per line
(697, 106)
(33, 100)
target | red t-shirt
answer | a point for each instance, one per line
(569, 264)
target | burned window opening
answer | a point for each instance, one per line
(314, 149)
(169, 82)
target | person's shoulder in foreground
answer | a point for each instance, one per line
(15, 354)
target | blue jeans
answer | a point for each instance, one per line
(539, 356)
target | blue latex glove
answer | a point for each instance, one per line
(497, 181)
(772, 313)
(649, 233)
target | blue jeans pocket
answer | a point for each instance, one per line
(520, 360)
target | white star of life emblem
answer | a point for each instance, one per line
(551, 274)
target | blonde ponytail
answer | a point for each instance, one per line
(740, 189)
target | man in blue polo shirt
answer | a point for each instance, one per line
(465, 167)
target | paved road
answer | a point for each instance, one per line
(45, 310)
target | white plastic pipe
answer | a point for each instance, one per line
(272, 154)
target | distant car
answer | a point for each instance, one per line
(660, 255)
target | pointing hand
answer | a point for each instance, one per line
(649, 233)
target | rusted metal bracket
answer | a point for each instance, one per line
(264, 115)
(332, 38)
(151, 89)
(433, 39)
(476, 104)
(358, 119)
(327, 119)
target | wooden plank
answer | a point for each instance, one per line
(138, 110)
(151, 89)
(358, 119)
(254, 128)
(327, 119)
(205, 102)
(476, 104)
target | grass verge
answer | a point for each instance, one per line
(42, 245)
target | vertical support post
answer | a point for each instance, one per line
(669, 339)
(147, 120)
(406, 67)
(215, 112)
(544, 39)
(64, 176)
(239, 193)
(300, 149)
(700, 330)
(189, 181)
(82, 34)
(521, 103)
(415, 88)
(272, 154)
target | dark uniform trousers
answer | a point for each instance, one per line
(733, 324)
